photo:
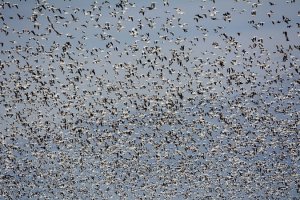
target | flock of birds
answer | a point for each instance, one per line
(149, 100)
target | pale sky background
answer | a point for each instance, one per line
(93, 113)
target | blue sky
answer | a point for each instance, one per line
(177, 104)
